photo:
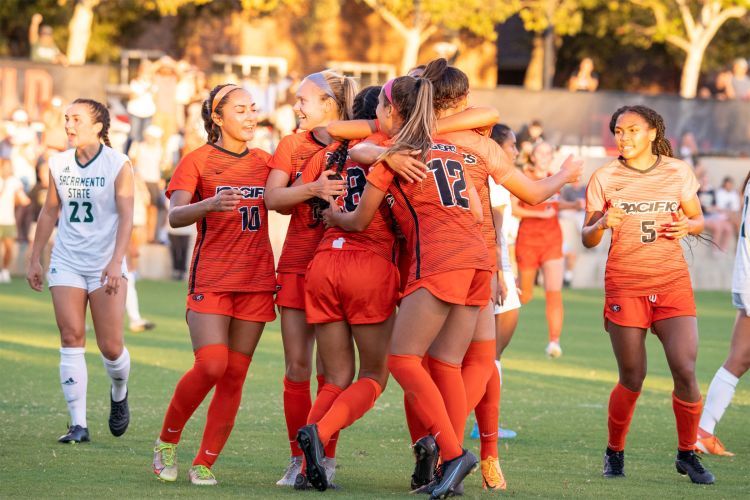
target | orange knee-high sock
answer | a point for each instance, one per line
(210, 365)
(223, 409)
(326, 397)
(417, 429)
(447, 377)
(349, 407)
(688, 416)
(321, 379)
(426, 401)
(621, 407)
(476, 370)
(330, 449)
(554, 311)
(297, 405)
(488, 416)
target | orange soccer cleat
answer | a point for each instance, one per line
(708, 443)
(492, 475)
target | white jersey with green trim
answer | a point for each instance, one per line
(87, 226)
(741, 272)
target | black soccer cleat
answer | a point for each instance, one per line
(454, 472)
(119, 416)
(426, 454)
(75, 434)
(614, 464)
(309, 442)
(689, 463)
(301, 483)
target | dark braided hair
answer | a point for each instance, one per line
(212, 129)
(99, 114)
(363, 108)
(661, 146)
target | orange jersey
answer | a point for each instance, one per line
(641, 261)
(434, 214)
(378, 237)
(483, 159)
(535, 231)
(232, 251)
(305, 227)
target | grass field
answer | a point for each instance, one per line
(558, 408)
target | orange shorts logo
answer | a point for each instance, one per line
(615, 308)
(198, 297)
(278, 288)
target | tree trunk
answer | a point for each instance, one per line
(80, 31)
(691, 71)
(412, 44)
(534, 79)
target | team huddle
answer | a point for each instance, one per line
(394, 262)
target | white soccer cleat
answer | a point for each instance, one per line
(165, 461)
(200, 475)
(291, 472)
(329, 464)
(553, 350)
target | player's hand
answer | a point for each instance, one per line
(325, 187)
(572, 169)
(612, 217)
(225, 200)
(407, 166)
(34, 276)
(547, 213)
(112, 277)
(330, 214)
(678, 228)
(36, 18)
(502, 289)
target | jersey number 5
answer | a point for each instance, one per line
(86, 205)
(648, 233)
(450, 192)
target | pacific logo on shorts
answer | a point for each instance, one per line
(649, 207)
(615, 308)
(198, 297)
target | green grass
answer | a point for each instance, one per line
(558, 408)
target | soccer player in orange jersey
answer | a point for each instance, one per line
(648, 200)
(539, 246)
(220, 187)
(321, 98)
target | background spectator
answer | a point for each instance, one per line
(739, 85)
(148, 161)
(54, 136)
(716, 222)
(43, 47)
(688, 148)
(571, 222)
(11, 196)
(728, 202)
(585, 79)
(141, 106)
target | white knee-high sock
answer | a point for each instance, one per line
(131, 300)
(118, 371)
(720, 394)
(74, 379)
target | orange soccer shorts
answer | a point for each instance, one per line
(356, 286)
(532, 257)
(245, 306)
(290, 290)
(466, 287)
(642, 312)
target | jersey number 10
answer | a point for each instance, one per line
(250, 218)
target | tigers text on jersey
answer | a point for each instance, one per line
(87, 228)
(378, 237)
(434, 214)
(305, 227)
(232, 251)
(483, 158)
(741, 273)
(641, 261)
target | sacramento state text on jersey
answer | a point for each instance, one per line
(79, 187)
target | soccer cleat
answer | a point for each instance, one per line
(309, 442)
(75, 434)
(492, 474)
(711, 445)
(614, 464)
(142, 326)
(119, 415)
(200, 475)
(329, 464)
(426, 454)
(553, 350)
(454, 472)
(689, 463)
(293, 469)
(165, 461)
(301, 483)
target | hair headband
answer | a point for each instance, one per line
(388, 91)
(319, 79)
(221, 94)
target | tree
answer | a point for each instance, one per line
(417, 20)
(688, 26)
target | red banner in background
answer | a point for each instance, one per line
(28, 85)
